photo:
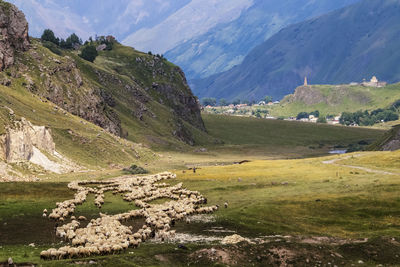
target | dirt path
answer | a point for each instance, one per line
(333, 162)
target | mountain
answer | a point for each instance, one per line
(119, 18)
(64, 113)
(202, 36)
(227, 44)
(343, 46)
(155, 25)
(195, 18)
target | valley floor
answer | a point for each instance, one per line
(337, 210)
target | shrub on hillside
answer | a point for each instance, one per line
(52, 47)
(134, 169)
(306, 115)
(89, 53)
(209, 101)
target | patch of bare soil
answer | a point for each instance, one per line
(300, 251)
(162, 258)
(215, 255)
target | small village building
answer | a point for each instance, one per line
(312, 118)
(335, 120)
(262, 103)
(374, 82)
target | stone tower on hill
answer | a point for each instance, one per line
(305, 81)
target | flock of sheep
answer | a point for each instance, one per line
(107, 234)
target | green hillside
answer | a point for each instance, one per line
(335, 99)
(129, 93)
(249, 137)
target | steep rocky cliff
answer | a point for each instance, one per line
(13, 33)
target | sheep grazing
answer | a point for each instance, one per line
(225, 205)
(107, 234)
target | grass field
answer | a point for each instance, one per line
(300, 199)
(276, 138)
(303, 197)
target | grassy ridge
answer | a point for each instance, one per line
(335, 99)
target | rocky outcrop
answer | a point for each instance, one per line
(13, 33)
(183, 102)
(391, 141)
(307, 95)
(20, 141)
(66, 86)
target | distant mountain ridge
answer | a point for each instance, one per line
(203, 36)
(227, 44)
(346, 45)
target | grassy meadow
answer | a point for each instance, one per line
(286, 201)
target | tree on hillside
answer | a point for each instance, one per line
(48, 35)
(302, 115)
(209, 101)
(268, 99)
(70, 42)
(223, 102)
(315, 113)
(89, 53)
(236, 102)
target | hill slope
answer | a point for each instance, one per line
(335, 99)
(57, 108)
(347, 45)
(126, 92)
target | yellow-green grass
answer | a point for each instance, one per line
(386, 161)
(301, 197)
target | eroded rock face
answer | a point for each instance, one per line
(183, 102)
(13, 33)
(394, 142)
(19, 142)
